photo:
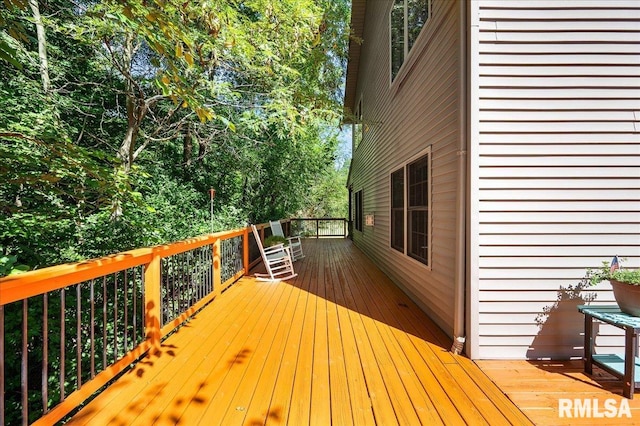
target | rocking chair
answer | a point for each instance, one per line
(277, 261)
(294, 242)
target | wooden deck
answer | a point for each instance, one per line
(339, 344)
(537, 387)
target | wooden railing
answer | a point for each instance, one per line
(319, 227)
(67, 330)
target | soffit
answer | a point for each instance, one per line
(355, 44)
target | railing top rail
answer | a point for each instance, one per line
(40, 281)
(318, 218)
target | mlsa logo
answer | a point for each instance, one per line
(593, 408)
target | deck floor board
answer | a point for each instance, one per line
(537, 387)
(339, 344)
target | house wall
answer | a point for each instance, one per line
(400, 120)
(555, 168)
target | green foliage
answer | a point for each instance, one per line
(9, 265)
(235, 96)
(629, 276)
(273, 240)
(11, 31)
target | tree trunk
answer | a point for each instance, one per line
(42, 45)
(187, 150)
(135, 109)
(202, 150)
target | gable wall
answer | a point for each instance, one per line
(418, 110)
(555, 170)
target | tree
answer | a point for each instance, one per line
(211, 58)
(42, 44)
(155, 94)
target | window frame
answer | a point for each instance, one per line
(406, 48)
(357, 131)
(396, 241)
(358, 219)
(408, 225)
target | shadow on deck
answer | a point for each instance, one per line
(339, 344)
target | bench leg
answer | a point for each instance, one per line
(631, 342)
(588, 344)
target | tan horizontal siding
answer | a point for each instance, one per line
(558, 167)
(420, 109)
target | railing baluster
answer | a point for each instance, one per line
(79, 335)
(202, 283)
(2, 375)
(63, 340)
(92, 332)
(115, 317)
(45, 353)
(153, 299)
(206, 253)
(175, 287)
(185, 289)
(196, 277)
(187, 283)
(104, 322)
(126, 311)
(135, 307)
(205, 272)
(143, 298)
(24, 380)
(209, 254)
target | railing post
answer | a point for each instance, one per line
(217, 266)
(245, 251)
(153, 301)
(317, 229)
(2, 376)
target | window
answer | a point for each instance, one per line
(417, 209)
(357, 127)
(358, 212)
(397, 210)
(406, 20)
(410, 222)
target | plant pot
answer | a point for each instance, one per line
(627, 296)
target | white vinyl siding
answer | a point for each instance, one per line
(419, 110)
(555, 168)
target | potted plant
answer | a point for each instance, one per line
(274, 240)
(624, 282)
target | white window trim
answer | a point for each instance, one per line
(405, 255)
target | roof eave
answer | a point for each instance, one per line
(355, 42)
